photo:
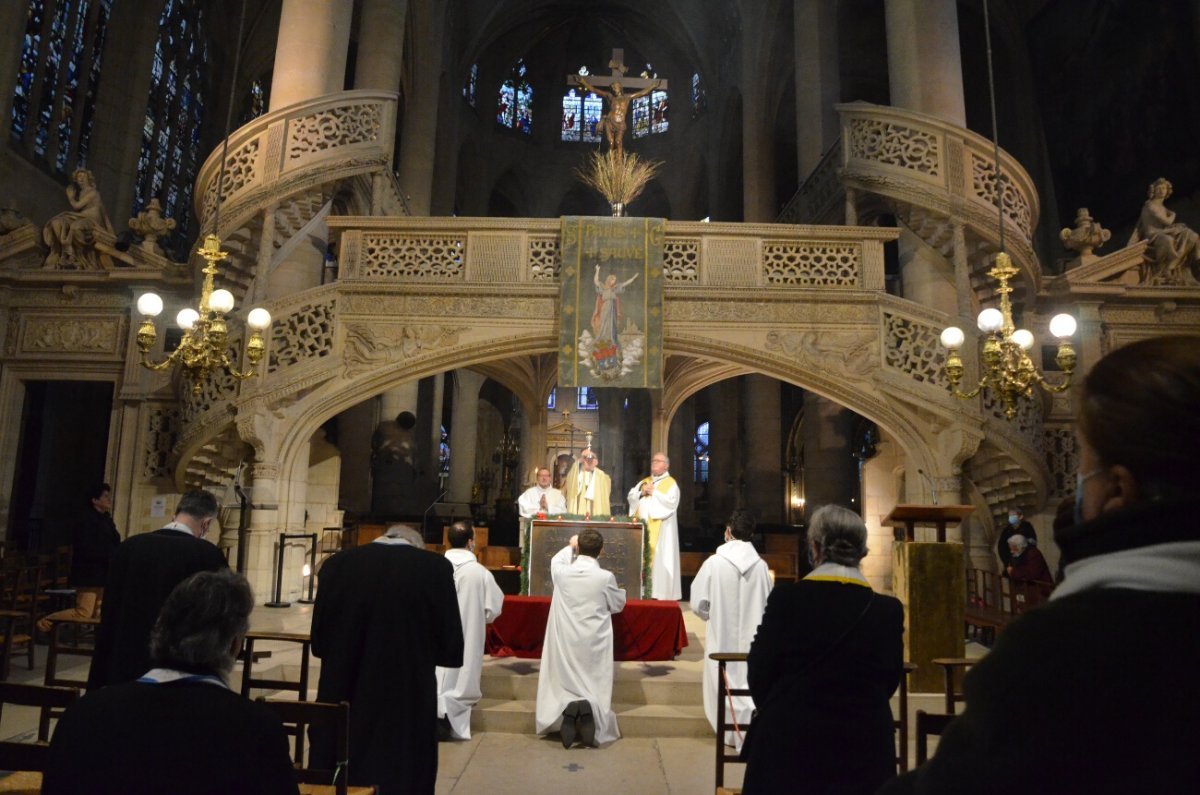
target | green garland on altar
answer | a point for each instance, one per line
(527, 530)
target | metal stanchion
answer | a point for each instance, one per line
(283, 539)
(312, 569)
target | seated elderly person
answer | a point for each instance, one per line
(824, 663)
(1028, 563)
(179, 728)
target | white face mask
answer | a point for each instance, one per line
(1013, 519)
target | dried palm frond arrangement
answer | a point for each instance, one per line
(619, 178)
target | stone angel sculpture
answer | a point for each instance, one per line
(70, 236)
(1173, 249)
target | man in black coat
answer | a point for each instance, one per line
(386, 616)
(143, 571)
(179, 728)
(94, 536)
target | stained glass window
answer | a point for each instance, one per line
(54, 97)
(471, 84)
(585, 399)
(699, 100)
(572, 116)
(444, 452)
(593, 109)
(700, 457)
(255, 102)
(170, 155)
(640, 110)
(658, 111)
(514, 103)
(550, 401)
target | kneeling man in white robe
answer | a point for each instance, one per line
(730, 593)
(575, 681)
(480, 600)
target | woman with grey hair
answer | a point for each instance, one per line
(179, 728)
(824, 664)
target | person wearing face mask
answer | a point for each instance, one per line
(1015, 524)
(1106, 670)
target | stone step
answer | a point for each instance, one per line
(631, 685)
(635, 720)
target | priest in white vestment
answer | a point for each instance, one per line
(480, 600)
(577, 655)
(730, 593)
(541, 498)
(656, 499)
(588, 487)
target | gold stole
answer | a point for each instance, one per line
(654, 525)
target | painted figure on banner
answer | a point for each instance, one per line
(609, 351)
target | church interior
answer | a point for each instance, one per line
(388, 179)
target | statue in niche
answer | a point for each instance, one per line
(393, 467)
(1173, 250)
(70, 236)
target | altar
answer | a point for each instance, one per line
(624, 553)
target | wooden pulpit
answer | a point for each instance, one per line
(930, 579)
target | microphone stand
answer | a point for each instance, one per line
(425, 516)
(932, 488)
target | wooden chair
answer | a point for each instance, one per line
(296, 716)
(59, 647)
(783, 564)
(901, 723)
(300, 687)
(952, 685)
(929, 723)
(724, 756)
(20, 596)
(32, 756)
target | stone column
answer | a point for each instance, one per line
(925, 75)
(724, 467)
(418, 138)
(464, 429)
(355, 426)
(611, 440)
(310, 53)
(437, 400)
(764, 457)
(818, 82)
(262, 484)
(924, 60)
(380, 61)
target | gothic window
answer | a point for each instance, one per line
(639, 109)
(514, 104)
(170, 155)
(550, 401)
(255, 103)
(444, 452)
(700, 454)
(593, 109)
(658, 111)
(585, 399)
(699, 100)
(471, 84)
(55, 95)
(572, 116)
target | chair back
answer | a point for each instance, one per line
(34, 755)
(724, 696)
(900, 724)
(929, 723)
(309, 713)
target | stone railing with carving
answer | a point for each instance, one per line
(210, 406)
(926, 162)
(308, 143)
(911, 346)
(509, 251)
(302, 329)
(820, 200)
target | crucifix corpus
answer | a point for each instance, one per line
(618, 178)
(615, 122)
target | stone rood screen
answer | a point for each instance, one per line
(622, 553)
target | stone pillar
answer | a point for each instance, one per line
(380, 61)
(355, 427)
(924, 60)
(418, 138)
(764, 456)
(818, 82)
(463, 433)
(830, 471)
(262, 483)
(310, 52)
(394, 459)
(928, 278)
(610, 441)
(724, 467)
(437, 386)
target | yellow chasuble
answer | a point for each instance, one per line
(653, 526)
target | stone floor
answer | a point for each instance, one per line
(499, 762)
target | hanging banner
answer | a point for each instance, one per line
(611, 302)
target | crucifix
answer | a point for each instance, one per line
(613, 123)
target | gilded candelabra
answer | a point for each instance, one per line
(204, 347)
(1007, 368)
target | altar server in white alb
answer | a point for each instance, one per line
(542, 498)
(480, 600)
(656, 499)
(730, 593)
(574, 695)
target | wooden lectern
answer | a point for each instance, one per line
(930, 579)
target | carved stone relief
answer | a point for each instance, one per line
(71, 335)
(854, 353)
(369, 347)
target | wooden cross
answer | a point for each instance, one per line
(618, 67)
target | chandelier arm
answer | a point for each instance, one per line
(158, 367)
(1053, 388)
(958, 393)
